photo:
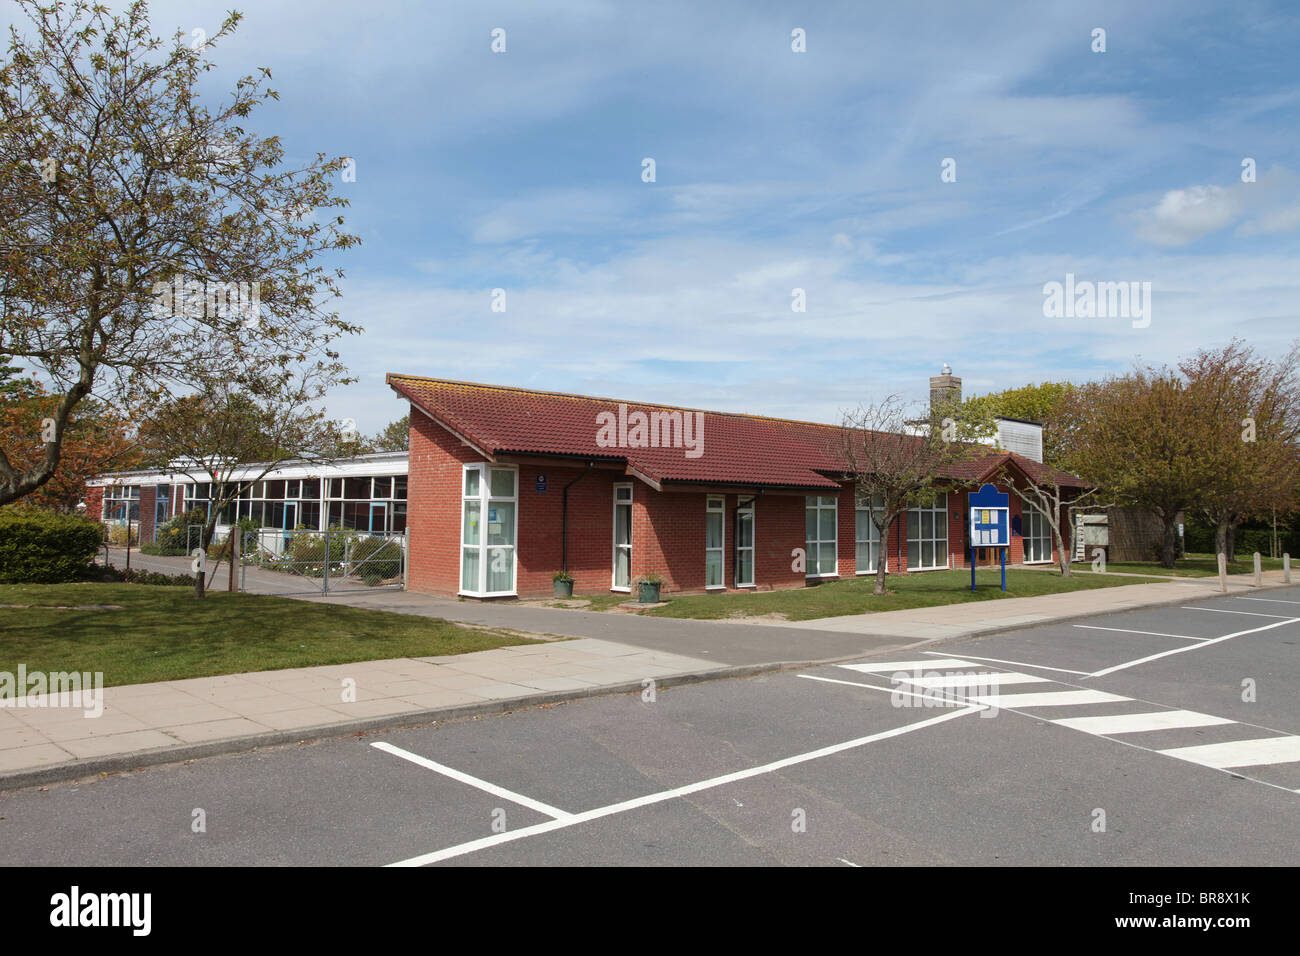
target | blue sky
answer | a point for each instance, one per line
(776, 170)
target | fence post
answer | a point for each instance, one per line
(325, 579)
(1223, 571)
(406, 565)
(1259, 572)
(1286, 569)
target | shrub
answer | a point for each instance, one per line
(174, 536)
(135, 576)
(376, 559)
(118, 534)
(44, 547)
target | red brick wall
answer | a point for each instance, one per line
(433, 495)
(148, 499)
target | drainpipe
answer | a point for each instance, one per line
(564, 517)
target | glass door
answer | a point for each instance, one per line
(745, 544)
(378, 517)
(622, 538)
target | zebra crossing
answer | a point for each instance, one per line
(1120, 718)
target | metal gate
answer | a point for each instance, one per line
(325, 562)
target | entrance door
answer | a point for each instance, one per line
(290, 520)
(622, 538)
(378, 516)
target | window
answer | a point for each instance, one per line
(745, 544)
(820, 518)
(122, 503)
(1037, 534)
(622, 538)
(714, 517)
(488, 529)
(927, 534)
(867, 536)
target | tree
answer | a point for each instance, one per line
(1251, 416)
(96, 438)
(1143, 438)
(1048, 490)
(1035, 403)
(893, 457)
(147, 239)
(395, 436)
(210, 435)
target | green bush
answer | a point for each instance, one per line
(135, 576)
(173, 537)
(45, 547)
(376, 559)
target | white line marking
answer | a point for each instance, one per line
(892, 666)
(847, 863)
(967, 680)
(888, 690)
(1128, 630)
(1192, 647)
(491, 788)
(1241, 753)
(1221, 610)
(1269, 600)
(1055, 698)
(1140, 723)
(587, 815)
(1041, 667)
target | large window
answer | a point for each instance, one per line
(820, 518)
(927, 534)
(122, 503)
(374, 504)
(745, 544)
(714, 520)
(622, 538)
(489, 501)
(1037, 534)
(868, 536)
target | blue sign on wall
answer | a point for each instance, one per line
(541, 484)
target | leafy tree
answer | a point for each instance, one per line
(1035, 403)
(134, 214)
(395, 436)
(893, 457)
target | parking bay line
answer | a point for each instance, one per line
(1129, 630)
(585, 816)
(473, 781)
(1193, 647)
(1224, 610)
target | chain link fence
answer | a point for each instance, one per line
(326, 562)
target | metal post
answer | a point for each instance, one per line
(972, 567)
(1223, 571)
(1259, 572)
(1286, 569)
(234, 555)
(325, 579)
(1004, 568)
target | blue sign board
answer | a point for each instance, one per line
(541, 484)
(990, 526)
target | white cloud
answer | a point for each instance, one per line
(1185, 215)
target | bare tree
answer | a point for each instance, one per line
(1047, 493)
(894, 454)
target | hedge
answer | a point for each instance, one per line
(45, 547)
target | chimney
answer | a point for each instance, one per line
(944, 388)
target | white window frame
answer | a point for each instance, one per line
(834, 507)
(873, 536)
(1031, 516)
(748, 508)
(614, 545)
(939, 506)
(484, 499)
(716, 505)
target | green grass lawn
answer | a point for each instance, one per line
(854, 596)
(1191, 566)
(165, 633)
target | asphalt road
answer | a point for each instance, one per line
(1167, 736)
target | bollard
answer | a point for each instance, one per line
(1259, 571)
(1286, 569)
(1223, 571)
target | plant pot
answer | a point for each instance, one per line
(563, 589)
(648, 593)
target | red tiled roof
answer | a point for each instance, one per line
(737, 449)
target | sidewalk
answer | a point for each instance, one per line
(169, 721)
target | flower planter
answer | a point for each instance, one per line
(563, 589)
(648, 593)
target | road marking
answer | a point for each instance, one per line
(847, 863)
(1241, 753)
(1221, 610)
(1127, 630)
(570, 820)
(905, 666)
(1140, 723)
(1192, 647)
(1055, 698)
(1040, 667)
(966, 680)
(1269, 600)
(484, 785)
